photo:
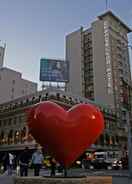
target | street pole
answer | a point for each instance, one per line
(129, 130)
(106, 1)
(128, 119)
(129, 144)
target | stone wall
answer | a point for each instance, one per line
(44, 180)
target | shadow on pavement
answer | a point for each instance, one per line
(121, 180)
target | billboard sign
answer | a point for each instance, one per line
(53, 70)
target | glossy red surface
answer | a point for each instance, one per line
(66, 134)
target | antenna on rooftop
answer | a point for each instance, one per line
(107, 3)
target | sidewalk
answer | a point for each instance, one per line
(6, 179)
(116, 177)
(121, 180)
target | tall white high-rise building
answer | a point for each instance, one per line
(99, 61)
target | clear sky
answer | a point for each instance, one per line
(36, 28)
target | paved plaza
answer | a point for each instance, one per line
(119, 177)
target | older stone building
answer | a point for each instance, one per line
(13, 86)
(14, 133)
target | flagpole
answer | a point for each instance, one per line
(106, 4)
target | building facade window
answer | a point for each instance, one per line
(13, 82)
(108, 58)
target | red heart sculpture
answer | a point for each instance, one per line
(66, 134)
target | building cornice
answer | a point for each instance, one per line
(110, 13)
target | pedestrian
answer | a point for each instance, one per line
(83, 164)
(10, 166)
(6, 161)
(24, 161)
(53, 166)
(37, 161)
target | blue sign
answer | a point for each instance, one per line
(53, 70)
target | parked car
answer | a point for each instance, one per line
(77, 163)
(124, 161)
(100, 164)
(100, 161)
(117, 164)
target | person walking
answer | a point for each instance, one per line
(37, 161)
(53, 166)
(10, 167)
(5, 161)
(8, 163)
(24, 161)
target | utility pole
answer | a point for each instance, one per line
(107, 4)
(129, 144)
(106, 1)
(129, 124)
(129, 129)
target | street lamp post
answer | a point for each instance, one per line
(129, 144)
(129, 133)
(128, 119)
(129, 130)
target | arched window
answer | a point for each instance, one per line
(113, 140)
(107, 138)
(10, 137)
(102, 139)
(23, 134)
(17, 137)
(117, 140)
(2, 137)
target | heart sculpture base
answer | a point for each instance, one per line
(84, 180)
